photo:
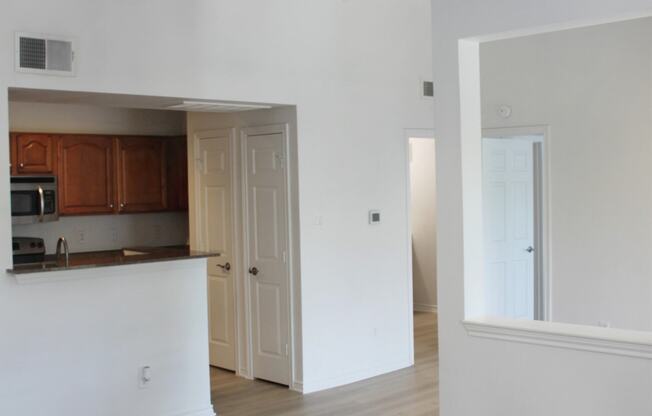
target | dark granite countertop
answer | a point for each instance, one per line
(127, 256)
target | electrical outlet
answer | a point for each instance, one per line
(81, 235)
(145, 377)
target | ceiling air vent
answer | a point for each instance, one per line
(216, 106)
(42, 54)
(428, 90)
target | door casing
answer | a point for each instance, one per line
(243, 315)
(244, 134)
(409, 134)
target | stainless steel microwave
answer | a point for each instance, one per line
(33, 199)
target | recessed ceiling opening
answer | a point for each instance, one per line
(134, 101)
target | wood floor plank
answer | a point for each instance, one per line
(412, 391)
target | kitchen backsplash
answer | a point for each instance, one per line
(109, 232)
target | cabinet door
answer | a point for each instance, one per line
(141, 174)
(86, 175)
(34, 153)
(177, 174)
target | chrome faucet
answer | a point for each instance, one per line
(62, 240)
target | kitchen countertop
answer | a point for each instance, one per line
(109, 258)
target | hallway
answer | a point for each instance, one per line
(413, 391)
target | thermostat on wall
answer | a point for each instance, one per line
(374, 217)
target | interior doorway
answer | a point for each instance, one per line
(242, 208)
(422, 249)
(423, 216)
(514, 212)
(216, 232)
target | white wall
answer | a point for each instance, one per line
(201, 122)
(96, 332)
(481, 376)
(593, 88)
(352, 68)
(102, 232)
(91, 119)
(424, 223)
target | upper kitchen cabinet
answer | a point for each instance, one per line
(177, 173)
(141, 174)
(33, 153)
(86, 175)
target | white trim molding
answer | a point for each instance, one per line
(353, 376)
(208, 411)
(297, 386)
(636, 344)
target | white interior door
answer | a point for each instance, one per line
(508, 205)
(267, 239)
(215, 231)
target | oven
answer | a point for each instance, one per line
(33, 199)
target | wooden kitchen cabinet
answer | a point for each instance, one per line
(177, 173)
(86, 175)
(104, 174)
(33, 153)
(141, 174)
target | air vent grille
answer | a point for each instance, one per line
(216, 107)
(59, 55)
(32, 53)
(44, 54)
(428, 89)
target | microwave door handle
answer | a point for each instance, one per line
(41, 205)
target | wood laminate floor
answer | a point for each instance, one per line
(412, 392)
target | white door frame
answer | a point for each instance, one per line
(242, 313)
(411, 134)
(542, 263)
(282, 129)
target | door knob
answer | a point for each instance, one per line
(254, 271)
(529, 249)
(226, 267)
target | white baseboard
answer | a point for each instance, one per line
(329, 383)
(422, 307)
(208, 411)
(297, 386)
(244, 373)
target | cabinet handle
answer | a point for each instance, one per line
(110, 205)
(122, 205)
(22, 165)
(41, 197)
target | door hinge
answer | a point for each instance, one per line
(281, 160)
